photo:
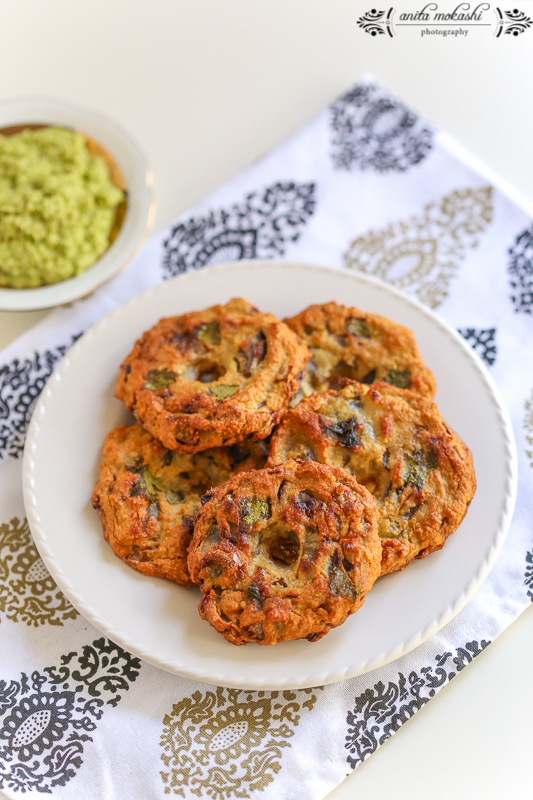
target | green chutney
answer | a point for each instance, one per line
(57, 207)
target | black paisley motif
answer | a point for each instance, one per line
(483, 341)
(372, 130)
(380, 711)
(520, 269)
(528, 580)
(258, 227)
(45, 720)
(21, 383)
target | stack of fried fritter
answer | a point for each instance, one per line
(280, 466)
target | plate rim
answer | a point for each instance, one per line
(308, 680)
(67, 291)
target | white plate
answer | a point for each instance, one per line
(140, 209)
(157, 620)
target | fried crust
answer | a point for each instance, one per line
(284, 553)
(147, 496)
(213, 377)
(348, 343)
(397, 445)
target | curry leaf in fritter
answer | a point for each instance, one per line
(208, 333)
(145, 484)
(159, 379)
(251, 354)
(399, 377)
(339, 583)
(223, 390)
(346, 432)
(357, 327)
(418, 465)
(253, 509)
(150, 485)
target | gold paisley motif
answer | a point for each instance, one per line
(227, 743)
(528, 427)
(28, 593)
(423, 252)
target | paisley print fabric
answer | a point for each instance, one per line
(28, 593)
(48, 718)
(528, 580)
(226, 743)
(21, 382)
(100, 723)
(372, 130)
(381, 710)
(422, 253)
(483, 341)
(260, 226)
(520, 269)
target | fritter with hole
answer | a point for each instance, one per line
(147, 496)
(348, 343)
(284, 553)
(213, 377)
(397, 445)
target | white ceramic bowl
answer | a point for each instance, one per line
(140, 206)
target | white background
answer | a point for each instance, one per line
(206, 87)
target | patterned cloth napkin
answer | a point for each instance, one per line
(369, 186)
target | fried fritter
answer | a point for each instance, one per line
(213, 377)
(348, 343)
(284, 553)
(397, 445)
(147, 496)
